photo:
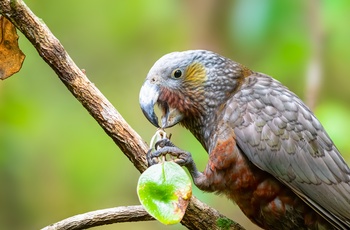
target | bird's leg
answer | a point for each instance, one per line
(165, 147)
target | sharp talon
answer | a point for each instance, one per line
(149, 157)
(159, 144)
(164, 143)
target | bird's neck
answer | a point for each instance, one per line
(204, 126)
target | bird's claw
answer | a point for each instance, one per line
(164, 148)
(165, 142)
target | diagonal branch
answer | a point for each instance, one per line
(198, 215)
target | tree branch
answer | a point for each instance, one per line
(102, 217)
(314, 73)
(198, 215)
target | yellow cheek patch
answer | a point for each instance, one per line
(195, 74)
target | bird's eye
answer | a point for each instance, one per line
(177, 73)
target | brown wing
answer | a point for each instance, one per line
(281, 136)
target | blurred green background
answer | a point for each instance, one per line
(55, 161)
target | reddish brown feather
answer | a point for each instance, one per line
(188, 101)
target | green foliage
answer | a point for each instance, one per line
(224, 223)
(55, 161)
(335, 119)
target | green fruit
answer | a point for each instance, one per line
(165, 190)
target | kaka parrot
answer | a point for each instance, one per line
(267, 151)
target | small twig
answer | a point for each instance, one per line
(198, 215)
(314, 68)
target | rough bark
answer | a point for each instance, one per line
(198, 214)
(102, 217)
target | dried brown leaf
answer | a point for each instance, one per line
(11, 57)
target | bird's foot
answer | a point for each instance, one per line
(166, 150)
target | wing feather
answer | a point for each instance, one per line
(281, 136)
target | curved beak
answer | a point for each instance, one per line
(148, 97)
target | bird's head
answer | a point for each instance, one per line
(189, 85)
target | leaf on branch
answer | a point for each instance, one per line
(11, 57)
(164, 191)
